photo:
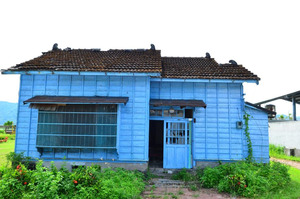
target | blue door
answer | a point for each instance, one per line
(177, 144)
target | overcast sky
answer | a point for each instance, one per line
(262, 35)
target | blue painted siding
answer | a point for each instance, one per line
(215, 136)
(133, 120)
(259, 134)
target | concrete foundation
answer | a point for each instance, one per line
(203, 164)
(70, 164)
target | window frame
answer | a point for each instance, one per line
(116, 136)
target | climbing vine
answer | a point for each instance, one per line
(249, 143)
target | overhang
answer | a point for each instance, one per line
(76, 100)
(181, 103)
(295, 96)
(271, 114)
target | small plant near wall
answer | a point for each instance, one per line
(3, 139)
(247, 133)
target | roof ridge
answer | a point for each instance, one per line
(188, 57)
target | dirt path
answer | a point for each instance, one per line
(167, 188)
(184, 193)
(288, 162)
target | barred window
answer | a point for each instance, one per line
(78, 126)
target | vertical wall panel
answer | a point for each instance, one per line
(259, 134)
(134, 117)
(215, 136)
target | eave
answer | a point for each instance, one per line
(156, 79)
(79, 73)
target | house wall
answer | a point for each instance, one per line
(133, 118)
(259, 134)
(215, 136)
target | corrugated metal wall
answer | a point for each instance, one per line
(259, 134)
(133, 122)
(215, 136)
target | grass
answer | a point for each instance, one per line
(278, 152)
(5, 148)
(291, 191)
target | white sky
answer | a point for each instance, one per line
(263, 35)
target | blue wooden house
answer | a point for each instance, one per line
(134, 108)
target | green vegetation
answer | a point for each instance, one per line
(278, 152)
(83, 182)
(183, 175)
(8, 123)
(9, 136)
(17, 158)
(5, 148)
(273, 180)
(246, 179)
(247, 133)
(292, 191)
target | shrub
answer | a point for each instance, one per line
(183, 175)
(9, 136)
(246, 179)
(276, 149)
(83, 182)
(17, 158)
(13, 181)
(3, 139)
(48, 183)
(121, 184)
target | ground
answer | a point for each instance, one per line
(184, 193)
(163, 187)
(5, 148)
(288, 162)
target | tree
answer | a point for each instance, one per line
(8, 123)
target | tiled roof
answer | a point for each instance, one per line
(95, 60)
(147, 61)
(203, 68)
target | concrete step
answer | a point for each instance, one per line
(162, 182)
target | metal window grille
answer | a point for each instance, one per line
(78, 126)
(176, 133)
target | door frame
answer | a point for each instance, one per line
(176, 119)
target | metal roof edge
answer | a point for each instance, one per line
(79, 73)
(157, 79)
(250, 105)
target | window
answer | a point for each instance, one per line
(165, 113)
(78, 126)
(177, 133)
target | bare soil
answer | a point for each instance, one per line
(184, 193)
(287, 162)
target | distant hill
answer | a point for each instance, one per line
(8, 112)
